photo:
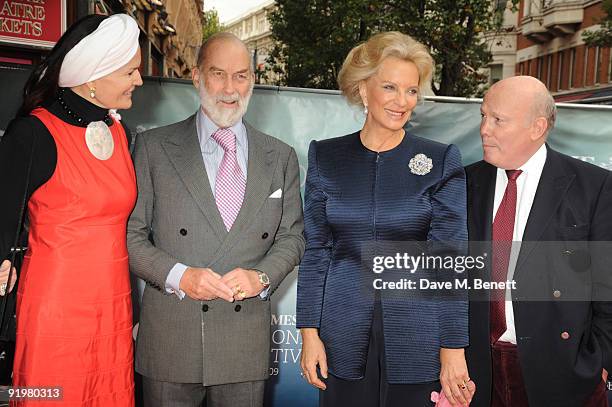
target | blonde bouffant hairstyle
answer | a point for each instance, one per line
(364, 60)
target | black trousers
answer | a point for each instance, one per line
(373, 390)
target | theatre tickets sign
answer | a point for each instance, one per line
(35, 23)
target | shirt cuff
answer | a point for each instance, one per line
(173, 281)
(264, 294)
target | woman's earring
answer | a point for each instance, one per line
(92, 92)
(365, 110)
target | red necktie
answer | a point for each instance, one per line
(503, 230)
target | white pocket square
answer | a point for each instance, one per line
(277, 194)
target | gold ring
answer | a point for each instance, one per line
(237, 288)
(242, 294)
(462, 386)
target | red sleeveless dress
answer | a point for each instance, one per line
(74, 309)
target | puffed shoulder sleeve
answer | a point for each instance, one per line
(449, 201)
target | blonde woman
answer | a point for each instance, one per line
(363, 347)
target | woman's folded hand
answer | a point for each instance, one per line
(454, 377)
(313, 355)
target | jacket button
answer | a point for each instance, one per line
(237, 308)
(557, 294)
(204, 307)
(565, 335)
(183, 232)
(265, 235)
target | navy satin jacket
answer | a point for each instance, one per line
(355, 196)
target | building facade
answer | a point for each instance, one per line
(545, 40)
(253, 28)
(171, 30)
(502, 44)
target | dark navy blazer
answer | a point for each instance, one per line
(355, 196)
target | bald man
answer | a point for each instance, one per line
(217, 226)
(545, 341)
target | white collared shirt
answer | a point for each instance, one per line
(212, 152)
(526, 186)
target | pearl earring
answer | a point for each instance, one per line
(92, 92)
(365, 110)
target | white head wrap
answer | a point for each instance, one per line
(112, 45)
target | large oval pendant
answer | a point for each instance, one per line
(99, 140)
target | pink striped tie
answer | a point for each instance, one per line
(230, 183)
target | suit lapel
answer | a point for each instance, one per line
(261, 166)
(482, 194)
(552, 188)
(183, 149)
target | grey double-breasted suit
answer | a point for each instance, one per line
(176, 220)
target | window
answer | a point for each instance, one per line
(496, 73)
(586, 60)
(526, 8)
(500, 5)
(549, 59)
(157, 63)
(249, 27)
(610, 65)
(261, 23)
(572, 62)
(560, 71)
(540, 67)
(528, 67)
(597, 70)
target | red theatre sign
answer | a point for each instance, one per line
(37, 23)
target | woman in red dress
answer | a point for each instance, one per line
(74, 311)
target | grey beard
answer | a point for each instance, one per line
(221, 116)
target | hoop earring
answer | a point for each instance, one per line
(92, 92)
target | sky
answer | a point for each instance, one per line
(229, 9)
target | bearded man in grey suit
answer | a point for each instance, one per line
(217, 226)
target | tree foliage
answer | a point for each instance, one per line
(211, 24)
(314, 36)
(603, 36)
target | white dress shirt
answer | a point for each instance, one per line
(526, 186)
